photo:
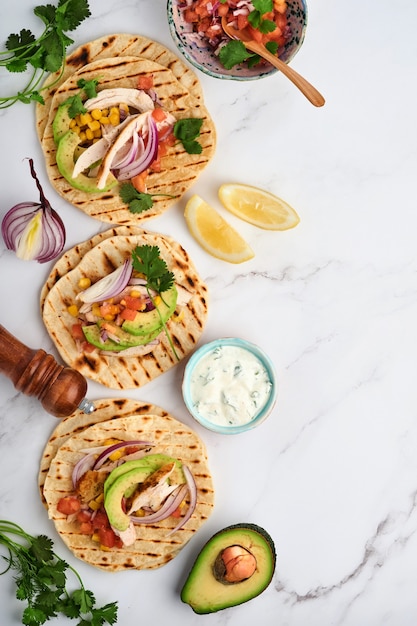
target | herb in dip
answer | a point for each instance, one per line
(229, 386)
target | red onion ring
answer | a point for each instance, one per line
(121, 444)
(108, 286)
(144, 160)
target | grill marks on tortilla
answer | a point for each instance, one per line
(153, 548)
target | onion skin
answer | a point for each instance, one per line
(34, 231)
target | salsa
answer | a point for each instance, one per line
(265, 20)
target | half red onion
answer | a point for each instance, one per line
(34, 230)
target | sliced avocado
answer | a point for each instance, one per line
(149, 463)
(65, 162)
(61, 123)
(93, 336)
(115, 492)
(206, 590)
(147, 321)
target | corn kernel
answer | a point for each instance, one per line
(77, 130)
(104, 548)
(89, 134)
(73, 310)
(96, 114)
(110, 441)
(114, 119)
(95, 309)
(83, 283)
(105, 120)
(95, 537)
(72, 123)
(94, 125)
(97, 133)
(83, 136)
(117, 454)
(157, 300)
(135, 293)
(85, 118)
(94, 505)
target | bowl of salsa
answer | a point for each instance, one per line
(229, 385)
(195, 27)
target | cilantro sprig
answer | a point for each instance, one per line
(75, 102)
(147, 261)
(138, 201)
(187, 131)
(41, 580)
(45, 53)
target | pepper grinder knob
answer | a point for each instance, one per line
(61, 390)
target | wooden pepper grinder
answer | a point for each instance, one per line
(61, 390)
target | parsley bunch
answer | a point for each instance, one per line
(147, 261)
(41, 581)
(45, 53)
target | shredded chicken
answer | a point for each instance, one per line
(154, 490)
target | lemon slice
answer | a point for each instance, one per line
(214, 234)
(258, 207)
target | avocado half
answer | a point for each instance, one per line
(217, 579)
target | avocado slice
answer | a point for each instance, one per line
(115, 492)
(61, 123)
(146, 322)
(66, 147)
(150, 463)
(206, 589)
(93, 336)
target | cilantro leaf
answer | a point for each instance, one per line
(187, 130)
(89, 86)
(138, 201)
(233, 53)
(147, 261)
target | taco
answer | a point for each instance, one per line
(126, 338)
(133, 132)
(127, 492)
(111, 46)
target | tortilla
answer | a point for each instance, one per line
(104, 410)
(152, 548)
(185, 326)
(110, 46)
(179, 169)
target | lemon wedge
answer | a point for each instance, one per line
(258, 207)
(214, 234)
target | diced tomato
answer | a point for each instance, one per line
(68, 505)
(83, 516)
(177, 512)
(128, 314)
(77, 332)
(242, 21)
(255, 34)
(158, 114)
(139, 181)
(132, 302)
(107, 537)
(190, 16)
(145, 82)
(87, 347)
(100, 520)
(86, 528)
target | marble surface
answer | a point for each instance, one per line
(332, 475)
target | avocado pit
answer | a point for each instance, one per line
(234, 564)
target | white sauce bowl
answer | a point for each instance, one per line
(229, 386)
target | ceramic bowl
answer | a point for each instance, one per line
(203, 58)
(214, 357)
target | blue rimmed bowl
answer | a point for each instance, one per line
(209, 390)
(199, 53)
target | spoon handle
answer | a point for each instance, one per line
(303, 85)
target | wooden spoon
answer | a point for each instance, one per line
(303, 85)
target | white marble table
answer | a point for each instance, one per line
(332, 475)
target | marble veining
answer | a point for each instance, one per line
(332, 474)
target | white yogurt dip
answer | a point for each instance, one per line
(229, 386)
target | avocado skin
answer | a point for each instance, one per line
(92, 335)
(65, 162)
(147, 322)
(205, 594)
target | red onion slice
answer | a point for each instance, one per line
(116, 446)
(144, 160)
(82, 466)
(192, 489)
(108, 286)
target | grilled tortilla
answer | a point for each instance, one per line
(185, 325)
(111, 46)
(152, 548)
(179, 169)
